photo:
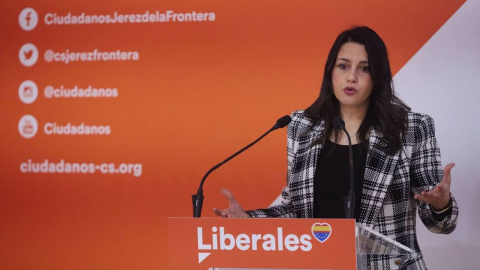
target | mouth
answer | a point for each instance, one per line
(350, 90)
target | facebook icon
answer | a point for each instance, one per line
(28, 19)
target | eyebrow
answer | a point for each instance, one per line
(348, 60)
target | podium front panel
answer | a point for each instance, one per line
(262, 243)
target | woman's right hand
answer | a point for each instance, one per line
(234, 210)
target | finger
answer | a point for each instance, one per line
(447, 172)
(449, 166)
(425, 195)
(227, 194)
(434, 192)
(424, 198)
(436, 203)
(218, 212)
(430, 197)
(419, 196)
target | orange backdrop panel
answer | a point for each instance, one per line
(199, 92)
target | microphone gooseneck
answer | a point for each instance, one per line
(339, 123)
(282, 122)
(349, 200)
(197, 199)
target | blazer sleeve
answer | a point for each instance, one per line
(426, 172)
(285, 208)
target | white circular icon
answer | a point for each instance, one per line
(28, 19)
(28, 92)
(28, 54)
(27, 126)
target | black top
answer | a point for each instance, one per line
(332, 179)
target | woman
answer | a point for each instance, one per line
(396, 156)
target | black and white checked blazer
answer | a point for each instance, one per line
(390, 181)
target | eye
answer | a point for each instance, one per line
(342, 66)
(365, 69)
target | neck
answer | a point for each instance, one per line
(353, 114)
(353, 118)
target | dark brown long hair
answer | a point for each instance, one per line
(386, 112)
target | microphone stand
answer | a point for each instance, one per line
(349, 200)
(197, 199)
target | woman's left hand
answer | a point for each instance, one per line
(439, 197)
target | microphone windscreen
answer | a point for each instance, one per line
(282, 122)
(338, 122)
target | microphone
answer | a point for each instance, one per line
(349, 200)
(282, 122)
(197, 199)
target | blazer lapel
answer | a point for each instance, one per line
(379, 170)
(311, 166)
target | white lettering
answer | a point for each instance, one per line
(23, 167)
(201, 245)
(69, 129)
(280, 238)
(223, 237)
(255, 238)
(291, 242)
(49, 19)
(146, 17)
(243, 242)
(306, 244)
(214, 238)
(268, 242)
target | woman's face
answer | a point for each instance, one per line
(351, 80)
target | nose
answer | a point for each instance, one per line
(352, 77)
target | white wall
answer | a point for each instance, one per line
(443, 80)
